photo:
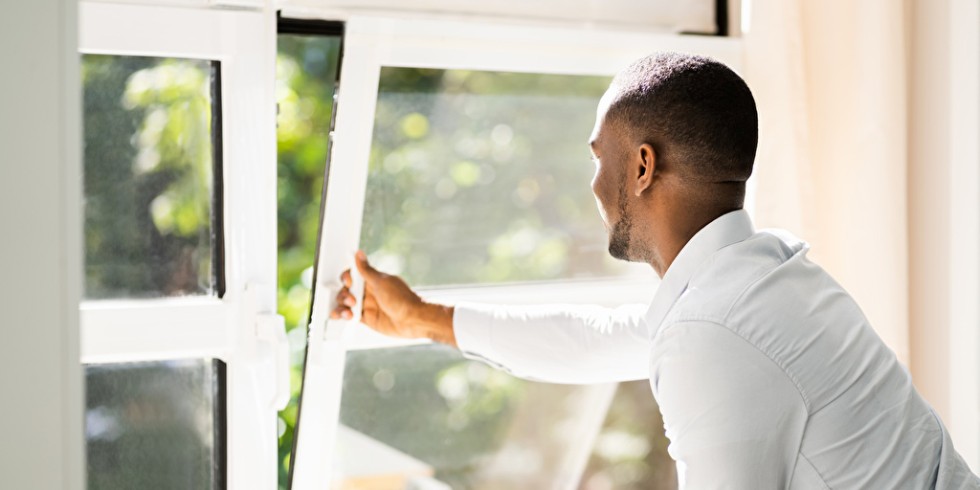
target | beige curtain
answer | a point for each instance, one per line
(829, 78)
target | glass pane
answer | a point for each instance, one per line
(148, 164)
(425, 417)
(306, 69)
(483, 177)
(630, 452)
(154, 425)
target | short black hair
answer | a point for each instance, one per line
(696, 112)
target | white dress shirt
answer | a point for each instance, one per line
(766, 372)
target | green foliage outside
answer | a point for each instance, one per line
(148, 177)
(306, 69)
(483, 177)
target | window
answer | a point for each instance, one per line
(478, 177)
(155, 424)
(148, 160)
(149, 172)
(185, 358)
(463, 423)
(466, 170)
(307, 65)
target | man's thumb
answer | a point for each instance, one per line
(367, 272)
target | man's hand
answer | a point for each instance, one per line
(392, 308)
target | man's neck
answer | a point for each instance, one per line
(674, 228)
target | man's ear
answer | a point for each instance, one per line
(647, 161)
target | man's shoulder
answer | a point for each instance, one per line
(766, 292)
(731, 277)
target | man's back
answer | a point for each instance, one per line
(824, 403)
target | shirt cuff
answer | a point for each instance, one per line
(473, 328)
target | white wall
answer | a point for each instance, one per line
(41, 446)
(944, 214)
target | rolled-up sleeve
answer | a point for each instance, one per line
(573, 344)
(734, 418)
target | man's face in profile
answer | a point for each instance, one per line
(608, 145)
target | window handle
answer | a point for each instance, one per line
(270, 330)
(325, 329)
(356, 289)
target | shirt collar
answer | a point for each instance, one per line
(725, 230)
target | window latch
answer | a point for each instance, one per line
(271, 328)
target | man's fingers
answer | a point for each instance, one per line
(341, 312)
(367, 272)
(345, 301)
(346, 279)
(344, 297)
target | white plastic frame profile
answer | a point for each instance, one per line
(228, 328)
(372, 43)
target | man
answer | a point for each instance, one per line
(766, 371)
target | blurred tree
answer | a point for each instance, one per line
(483, 177)
(148, 176)
(306, 70)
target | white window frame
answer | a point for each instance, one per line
(666, 16)
(371, 43)
(241, 328)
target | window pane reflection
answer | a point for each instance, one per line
(148, 168)
(153, 425)
(484, 177)
(425, 417)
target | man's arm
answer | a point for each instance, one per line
(574, 344)
(558, 343)
(734, 418)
